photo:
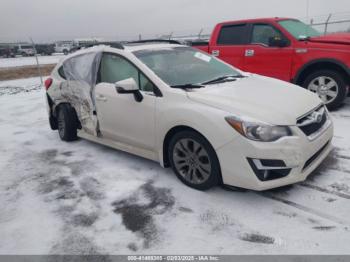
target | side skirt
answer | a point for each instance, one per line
(119, 146)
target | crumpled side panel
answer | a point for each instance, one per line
(81, 74)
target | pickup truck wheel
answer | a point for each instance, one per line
(67, 123)
(330, 86)
(193, 160)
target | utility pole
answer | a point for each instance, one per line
(200, 33)
(37, 61)
(326, 25)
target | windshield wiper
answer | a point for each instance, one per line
(221, 79)
(185, 86)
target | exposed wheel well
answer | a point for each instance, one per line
(322, 65)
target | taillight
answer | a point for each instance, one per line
(48, 83)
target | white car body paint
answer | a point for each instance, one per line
(141, 128)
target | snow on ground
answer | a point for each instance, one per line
(20, 85)
(84, 198)
(30, 60)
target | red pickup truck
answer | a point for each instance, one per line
(286, 49)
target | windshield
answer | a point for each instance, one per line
(184, 65)
(298, 29)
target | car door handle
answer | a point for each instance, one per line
(215, 52)
(101, 98)
(249, 52)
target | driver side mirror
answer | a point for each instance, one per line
(129, 86)
(278, 42)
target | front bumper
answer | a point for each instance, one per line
(296, 151)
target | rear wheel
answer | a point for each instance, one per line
(53, 123)
(329, 85)
(65, 52)
(193, 160)
(67, 123)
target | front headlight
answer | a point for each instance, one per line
(258, 131)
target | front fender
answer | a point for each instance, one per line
(208, 121)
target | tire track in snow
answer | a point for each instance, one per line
(305, 209)
(325, 190)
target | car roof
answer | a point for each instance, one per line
(127, 48)
(149, 46)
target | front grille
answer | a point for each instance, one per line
(314, 157)
(313, 121)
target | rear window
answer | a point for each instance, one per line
(233, 35)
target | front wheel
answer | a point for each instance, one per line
(329, 85)
(194, 160)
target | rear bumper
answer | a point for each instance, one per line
(299, 154)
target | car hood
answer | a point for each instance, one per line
(259, 98)
(336, 38)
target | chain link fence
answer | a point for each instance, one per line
(328, 23)
(331, 23)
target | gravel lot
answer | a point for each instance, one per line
(83, 198)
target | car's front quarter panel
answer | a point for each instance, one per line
(174, 109)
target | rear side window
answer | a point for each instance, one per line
(61, 72)
(233, 35)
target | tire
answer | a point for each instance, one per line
(65, 52)
(53, 123)
(332, 95)
(67, 123)
(198, 168)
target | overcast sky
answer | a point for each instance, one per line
(59, 19)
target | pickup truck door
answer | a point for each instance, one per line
(230, 44)
(261, 57)
(122, 118)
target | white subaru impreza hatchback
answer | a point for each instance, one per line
(212, 123)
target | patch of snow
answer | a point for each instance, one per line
(20, 85)
(30, 60)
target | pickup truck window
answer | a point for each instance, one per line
(233, 35)
(298, 29)
(184, 65)
(263, 33)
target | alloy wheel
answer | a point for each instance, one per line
(192, 161)
(326, 88)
